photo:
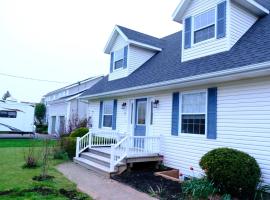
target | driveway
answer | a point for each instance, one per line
(99, 187)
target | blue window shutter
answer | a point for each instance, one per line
(125, 56)
(187, 33)
(100, 114)
(212, 113)
(221, 20)
(112, 62)
(114, 114)
(175, 113)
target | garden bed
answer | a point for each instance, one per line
(142, 178)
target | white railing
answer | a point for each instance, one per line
(133, 146)
(97, 139)
(82, 143)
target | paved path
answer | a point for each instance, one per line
(99, 187)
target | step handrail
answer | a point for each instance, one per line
(116, 159)
(83, 143)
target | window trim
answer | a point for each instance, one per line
(103, 113)
(180, 113)
(195, 30)
(123, 59)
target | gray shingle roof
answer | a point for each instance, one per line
(252, 48)
(141, 37)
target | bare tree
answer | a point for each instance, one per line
(6, 95)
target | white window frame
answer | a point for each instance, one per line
(205, 113)
(194, 30)
(103, 114)
(114, 58)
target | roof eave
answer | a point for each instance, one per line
(259, 69)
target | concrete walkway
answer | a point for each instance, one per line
(99, 187)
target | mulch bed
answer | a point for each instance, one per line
(142, 178)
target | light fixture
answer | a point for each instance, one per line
(156, 103)
(124, 105)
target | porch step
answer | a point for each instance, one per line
(105, 171)
(104, 152)
(105, 161)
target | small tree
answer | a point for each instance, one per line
(40, 111)
(6, 95)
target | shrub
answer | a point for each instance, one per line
(60, 155)
(68, 145)
(30, 158)
(199, 188)
(42, 129)
(80, 132)
(232, 171)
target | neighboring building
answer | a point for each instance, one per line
(205, 87)
(63, 105)
(16, 117)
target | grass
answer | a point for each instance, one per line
(19, 180)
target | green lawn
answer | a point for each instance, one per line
(19, 180)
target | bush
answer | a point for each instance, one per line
(232, 171)
(68, 145)
(80, 132)
(60, 155)
(199, 188)
(42, 129)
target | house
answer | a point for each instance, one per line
(63, 105)
(182, 95)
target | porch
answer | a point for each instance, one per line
(111, 152)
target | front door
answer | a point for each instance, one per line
(140, 122)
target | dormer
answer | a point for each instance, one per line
(128, 50)
(214, 26)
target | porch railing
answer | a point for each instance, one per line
(134, 146)
(121, 145)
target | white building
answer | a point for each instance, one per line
(63, 104)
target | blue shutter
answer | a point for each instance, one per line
(188, 33)
(112, 62)
(212, 113)
(221, 20)
(175, 113)
(125, 56)
(114, 114)
(100, 114)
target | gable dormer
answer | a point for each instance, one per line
(214, 26)
(128, 50)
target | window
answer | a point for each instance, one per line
(141, 112)
(204, 26)
(107, 113)
(193, 114)
(119, 59)
(8, 114)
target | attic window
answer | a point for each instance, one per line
(119, 59)
(204, 26)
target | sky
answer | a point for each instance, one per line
(63, 40)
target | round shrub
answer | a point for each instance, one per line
(79, 132)
(232, 171)
(68, 145)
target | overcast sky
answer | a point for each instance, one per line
(63, 40)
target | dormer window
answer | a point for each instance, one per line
(119, 59)
(204, 26)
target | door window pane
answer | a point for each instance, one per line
(141, 112)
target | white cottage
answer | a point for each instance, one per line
(177, 97)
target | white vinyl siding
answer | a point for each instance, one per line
(241, 21)
(137, 57)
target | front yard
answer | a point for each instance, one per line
(16, 182)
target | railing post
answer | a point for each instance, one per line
(77, 147)
(112, 159)
(90, 138)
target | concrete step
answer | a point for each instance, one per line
(100, 169)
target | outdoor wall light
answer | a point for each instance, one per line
(124, 105)
(156, 103)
